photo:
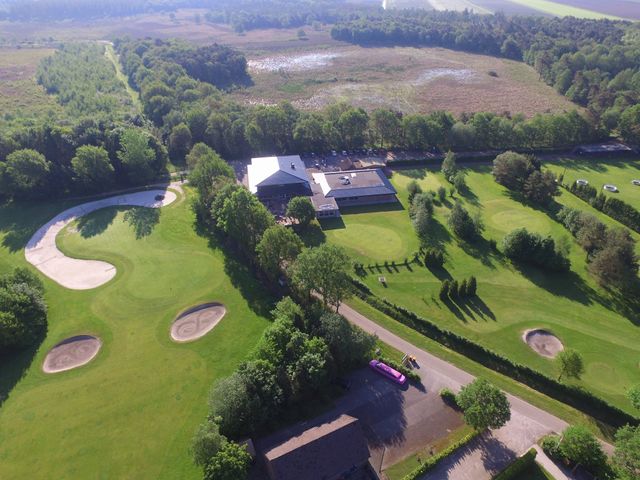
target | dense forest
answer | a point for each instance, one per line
(595, 63)
(241, 14)
(98, 142)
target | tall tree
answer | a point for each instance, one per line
(570, 364)
(484, 405)
(449, 166)
(92, 168)
(302, 210)
(278, 248)
(24, 174)
(206, 442)
(136, 155)
(386, 125)
(232, 462)
(325, 270)
(626, 459)
(244, 218)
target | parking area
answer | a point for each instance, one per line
(397, 421)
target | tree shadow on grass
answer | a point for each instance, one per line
(243, 279)
(440, 273)
(96, 223)
(482, 250)
(470, 196)
(480, 308)
(143, 220)
(415, 173)
(20, 220)
(14, 365)
(561, 284)
(438, 236)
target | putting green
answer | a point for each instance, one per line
(130, 413)
(508, 218)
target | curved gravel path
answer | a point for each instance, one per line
(41, 250)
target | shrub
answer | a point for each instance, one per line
(449, 397)
(434, 258)
(551, 446)
(232, 462)
(407, 372)
(522, 246)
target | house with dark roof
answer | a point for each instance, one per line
(329, 451)
(356, 187)
(281, 178)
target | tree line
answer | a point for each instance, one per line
(595, 63)
(188, 111)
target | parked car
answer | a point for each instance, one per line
(582, 182)
(636, 182)
(386, 371)
(610, 188)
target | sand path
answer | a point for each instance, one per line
(42, 252)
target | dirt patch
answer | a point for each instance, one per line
(197, 322)
(293, 63)
(407, 79)
(542, 342)
(71, 353)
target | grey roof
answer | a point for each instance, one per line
(319, 201)
(354, 183)
(268, 171)
(321, 452)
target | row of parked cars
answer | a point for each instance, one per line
(608, 187)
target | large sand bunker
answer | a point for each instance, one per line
(71, 353)
(41, 250)
(543, 343)
(197, 322)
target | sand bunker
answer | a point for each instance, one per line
(296, 63)
(543, 343)
(71, 353)
(41, 250)
(197, 322)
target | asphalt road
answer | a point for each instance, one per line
(487, 455)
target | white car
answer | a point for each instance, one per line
(582, 182)
(636, 182)
(610, 188)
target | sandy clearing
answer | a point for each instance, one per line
(543, 343)
(71, 353)
(197, 322)
(41, 250)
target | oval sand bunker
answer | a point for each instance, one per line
(543, 343)
(197, 322)
(71, 353)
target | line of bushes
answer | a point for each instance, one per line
(613, 207)
(430, 463)
(577, 397)
(518, 466)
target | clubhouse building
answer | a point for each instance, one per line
(282, 178)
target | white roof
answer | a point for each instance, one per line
(266, 171)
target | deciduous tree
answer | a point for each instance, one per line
(484, 405)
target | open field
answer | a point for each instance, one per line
(20, 95)
(407, 79)
(600, 172)
(91, 422)
(561, 9)
(511, 299)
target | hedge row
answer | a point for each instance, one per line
(617, 209)
(431, 462)
(518, 466)
(577, 397)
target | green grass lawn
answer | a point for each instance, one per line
(511, 299)
(534, 472)
(603, 171)
(132, 411)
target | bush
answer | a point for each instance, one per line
(434, 258)
(449, 397)
(551, 446)
(522, 246)
(518, 466)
